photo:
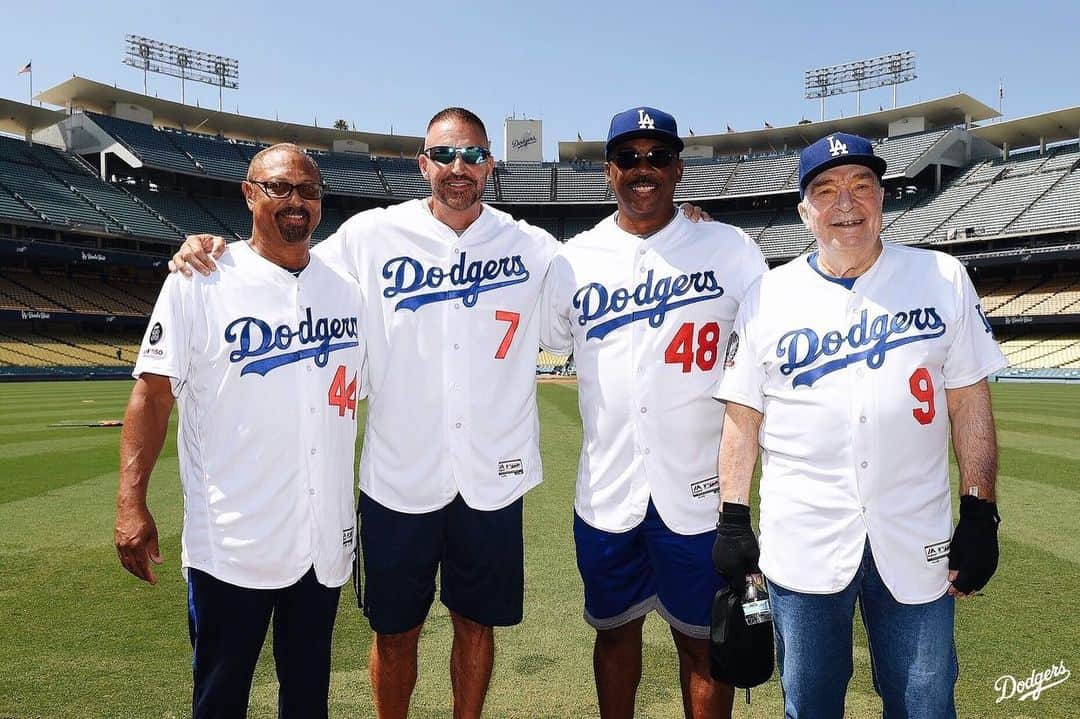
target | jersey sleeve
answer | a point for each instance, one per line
(555, 333)
(973, 353)
(743, 380)
(166, 349)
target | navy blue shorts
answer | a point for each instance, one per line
(479, 557)
(628, 574)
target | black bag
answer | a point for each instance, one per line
(739, 654)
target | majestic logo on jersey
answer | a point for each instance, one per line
(644, 121)
(315, 337)
(803, 347)
(465, 279)
(732, 350)
(836, 148)
(655, 298)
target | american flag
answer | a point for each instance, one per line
(25, 68)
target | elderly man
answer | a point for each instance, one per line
(850, 365)
(643, 301)
(265, 360)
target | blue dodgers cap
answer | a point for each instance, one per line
(839, 148)
(643, 122)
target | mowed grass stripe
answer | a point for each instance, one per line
(1038, 418)
(1051, 446)
(1025, 519)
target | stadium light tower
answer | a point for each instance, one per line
(187, 64)
(860, 75)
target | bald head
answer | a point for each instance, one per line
(263, 156)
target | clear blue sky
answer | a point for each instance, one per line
(572, 64)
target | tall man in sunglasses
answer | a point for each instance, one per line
(644, 300)
(265, 361)
(451, 288)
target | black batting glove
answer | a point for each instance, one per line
(735, 552)
(974, 549)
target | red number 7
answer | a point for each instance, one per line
(513, 318)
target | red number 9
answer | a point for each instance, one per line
(922, 389)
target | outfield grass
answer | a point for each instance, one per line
(79, 637)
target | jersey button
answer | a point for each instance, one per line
(862, 420)
(457, 346)
(311, 492)
(647, 450)
(457, 425)
(864, 465)
(644, 410)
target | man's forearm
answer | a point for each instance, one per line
(974, 439)
(738, 452)
(146, 421)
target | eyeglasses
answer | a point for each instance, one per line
(628, 159)
(444, 154)
(279, 190)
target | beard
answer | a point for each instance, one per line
(457, 198)
(290, 230)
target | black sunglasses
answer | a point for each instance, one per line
(628, 159)
(279, 190)
(444, 154)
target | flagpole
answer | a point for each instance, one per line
(31, 73)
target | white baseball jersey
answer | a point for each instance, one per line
(855, 427)
(452, 338)
(266, 368)
(647, 320)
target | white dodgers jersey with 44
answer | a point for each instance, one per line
(647, 320)
(267, 369)
(855, 431)
(452, 342)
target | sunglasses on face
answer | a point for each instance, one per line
(279, 190)
(628, 159)
(444, 154)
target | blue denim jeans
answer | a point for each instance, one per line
(912, 655)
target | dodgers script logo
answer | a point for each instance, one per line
(803, 347)
(654, 297)
(316, 337)
(465, 279)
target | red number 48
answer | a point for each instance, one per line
(922, 389)
(681, 350)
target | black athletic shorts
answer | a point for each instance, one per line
(479, 557)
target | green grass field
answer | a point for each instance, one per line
(79, 637)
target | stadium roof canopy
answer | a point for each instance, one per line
(959, 109)
(21, 119)
(1047, 127)
(78, 93)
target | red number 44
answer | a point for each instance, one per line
(681, 350)
(341, 395)
(922, 389)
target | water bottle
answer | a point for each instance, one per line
(755, 605)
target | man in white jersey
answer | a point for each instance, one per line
(644, 301)
(850, 365)
(265, 360)
(451, 287)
